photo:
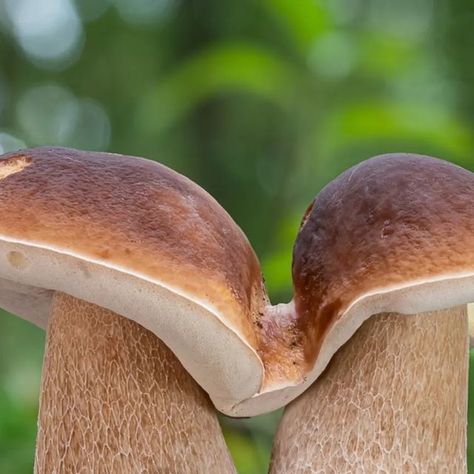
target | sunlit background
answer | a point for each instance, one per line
(260, 102)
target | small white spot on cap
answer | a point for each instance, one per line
(13, 165)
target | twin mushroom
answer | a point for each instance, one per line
(110, 251)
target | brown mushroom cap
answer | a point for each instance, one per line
(135, 237)
(392, 234)
(394, 223)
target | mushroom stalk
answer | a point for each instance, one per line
(114, 397)
(393, 398)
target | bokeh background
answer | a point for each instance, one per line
(260, 102)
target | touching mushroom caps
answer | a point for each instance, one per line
(394, 233)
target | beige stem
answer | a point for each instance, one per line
(393, 399)
(114, 399)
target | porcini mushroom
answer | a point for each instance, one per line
(97, 247)
(393, 236)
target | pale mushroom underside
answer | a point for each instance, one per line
(217, 355)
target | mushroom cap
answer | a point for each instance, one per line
(392, 234)
(133, 236)
(397, 230)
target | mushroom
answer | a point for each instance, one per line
(108, 252)
(391, 237)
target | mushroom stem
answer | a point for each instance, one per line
(393, 398)
(115, 399)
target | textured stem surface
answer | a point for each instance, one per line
(393, 399)
(114, 399)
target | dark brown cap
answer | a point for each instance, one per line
(395, 223)
(392, 234)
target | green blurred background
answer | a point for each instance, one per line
(261, 103)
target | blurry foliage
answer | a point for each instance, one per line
(261, 103)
